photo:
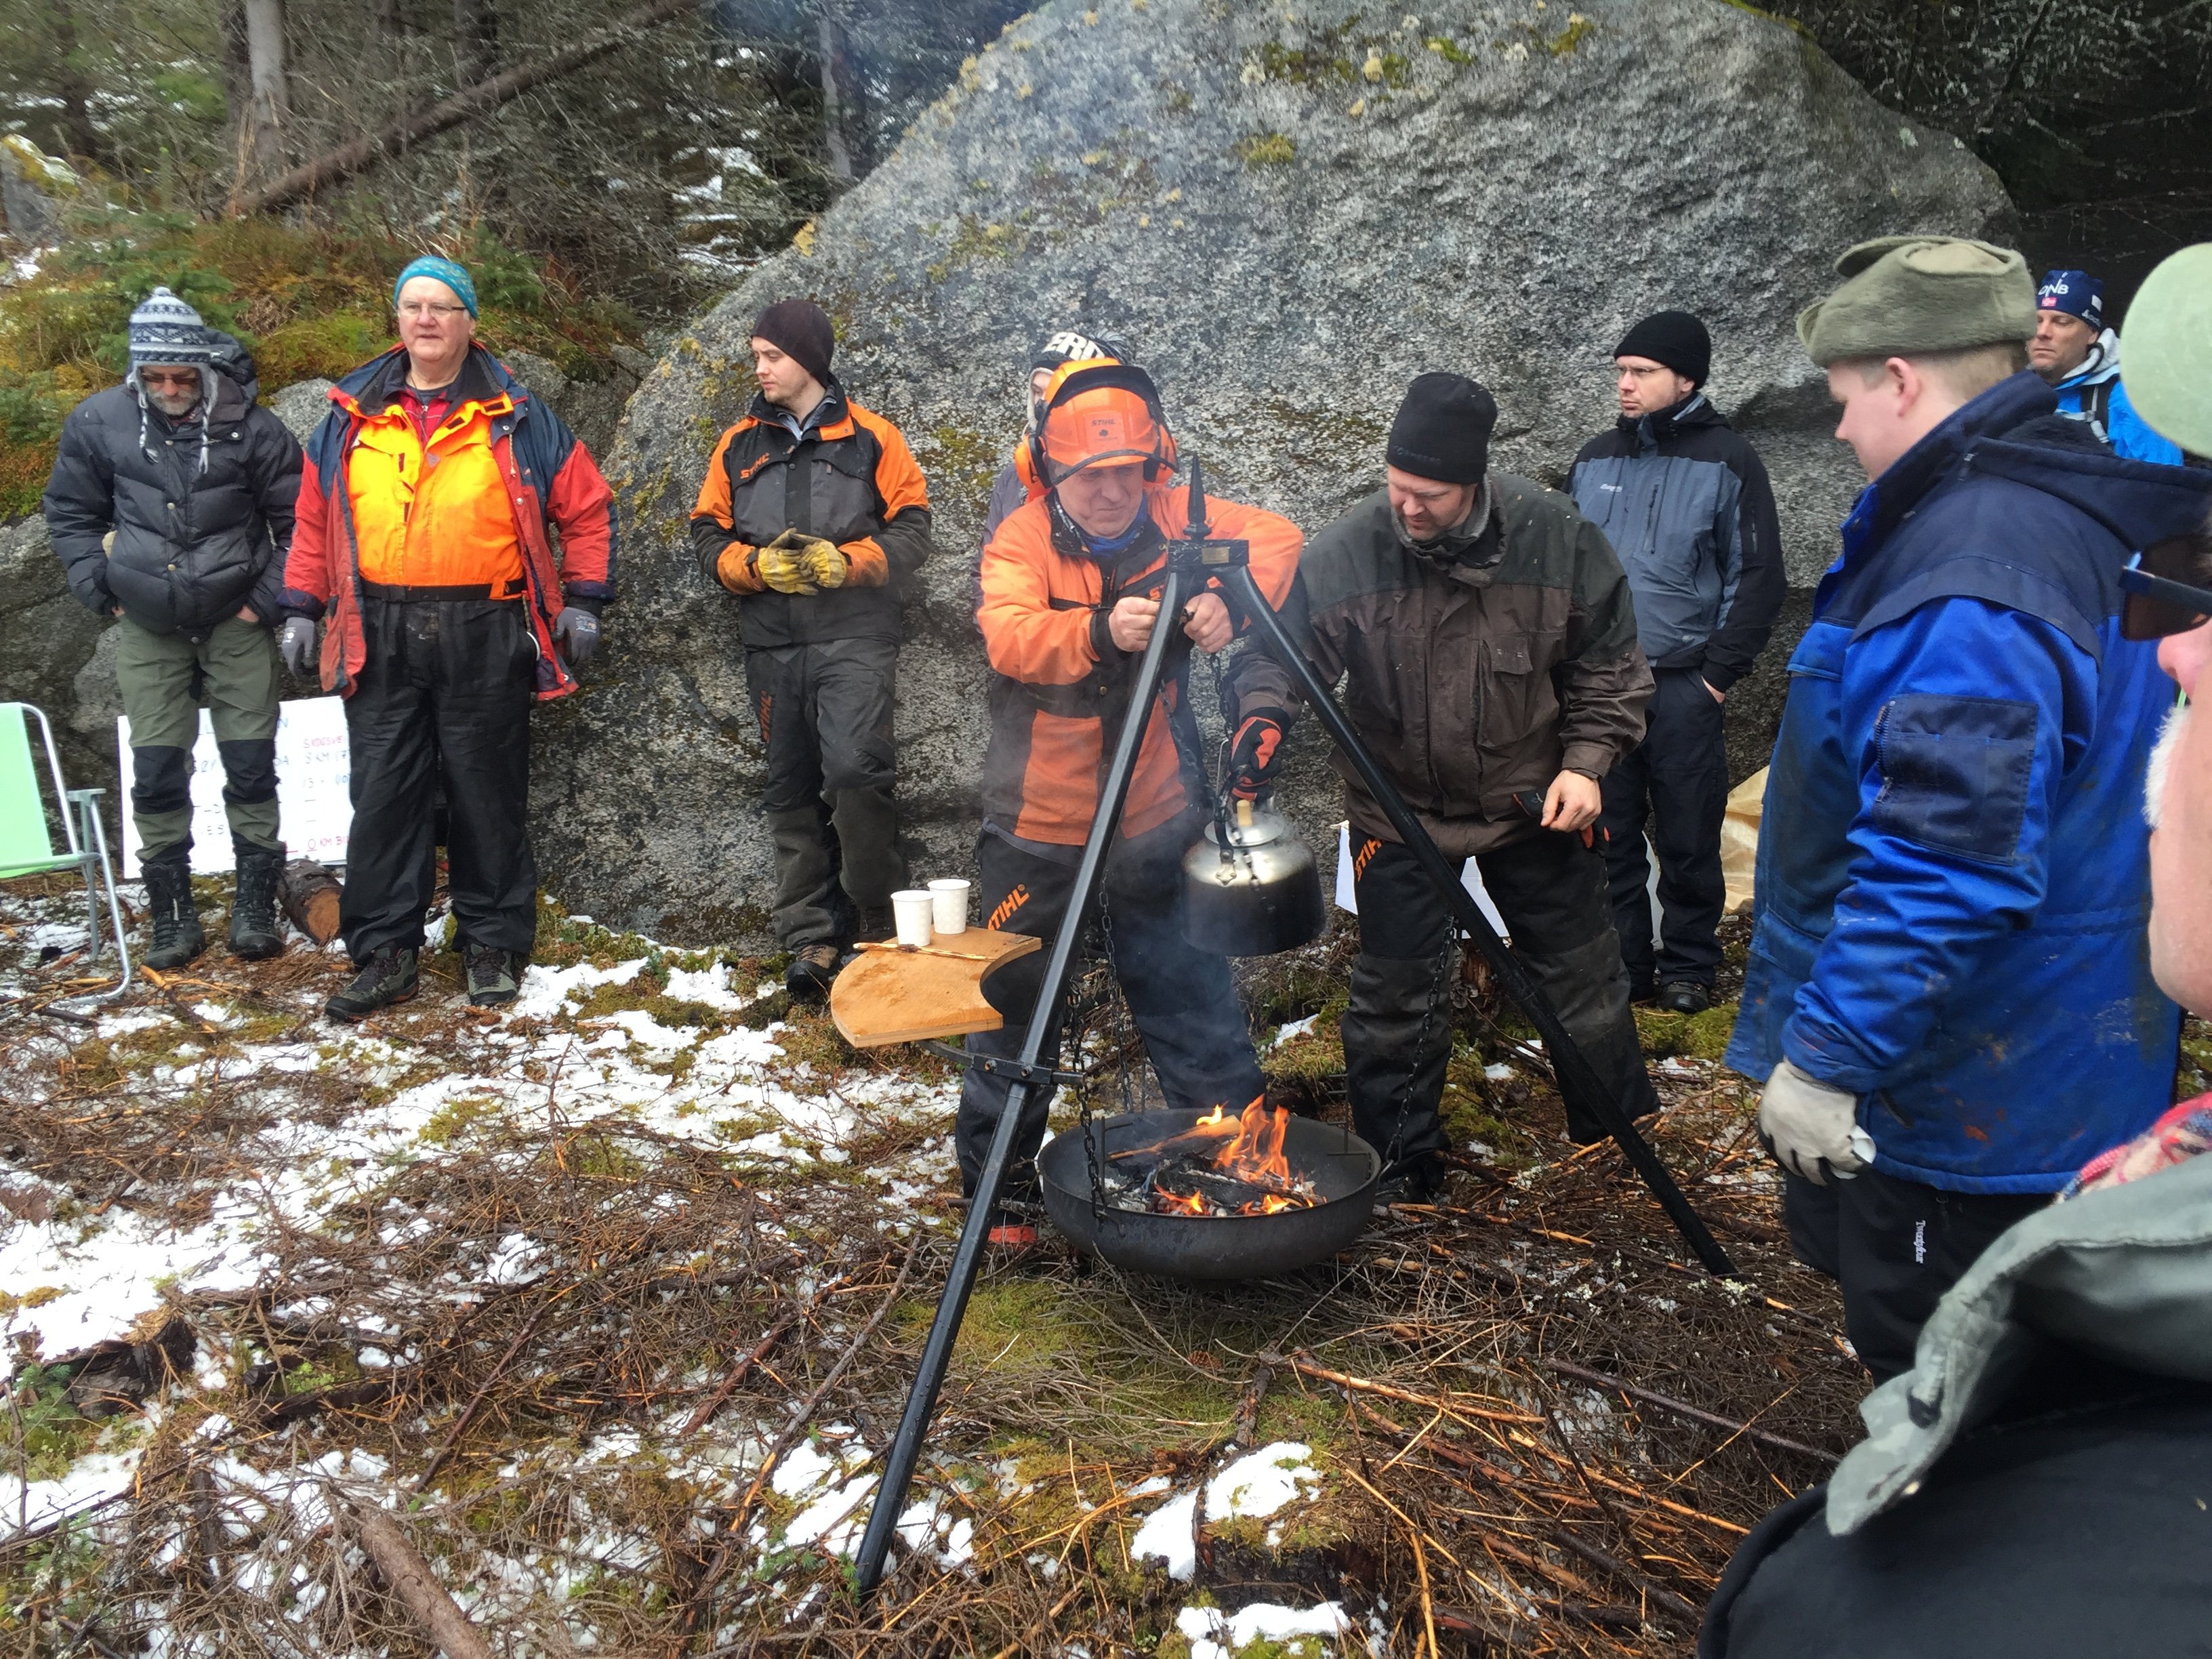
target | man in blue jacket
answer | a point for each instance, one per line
(2081, 358)
(1687, 505)
(1949, 997)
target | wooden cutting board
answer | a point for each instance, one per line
(890, 995)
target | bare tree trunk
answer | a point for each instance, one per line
(74, 88)
(476, 40)
(833, 102)
(269, 99)
(466, 105)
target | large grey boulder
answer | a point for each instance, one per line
(47, 643)
(1287, 215)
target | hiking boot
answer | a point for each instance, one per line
(490, 973)
(1418, 1180)
(877, 923)
(1642, 993)
(177, 935)
(388, 976)
(256, 934)
(812, 968)
(1685, 996)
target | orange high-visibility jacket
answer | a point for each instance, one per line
(1060, 685)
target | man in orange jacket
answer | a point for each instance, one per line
(1070, 591)
(421, 545)
(812, 513)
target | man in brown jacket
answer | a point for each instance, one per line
(1490, 641)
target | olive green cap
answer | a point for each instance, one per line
(2167, 361)
(1906, 297)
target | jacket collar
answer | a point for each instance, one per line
(830, 418)
(2102, 364)
(374, 386)
(1649, 430)
(1883, 504)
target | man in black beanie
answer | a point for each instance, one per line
(1494, 677)
(812, 514)
(1686, 503)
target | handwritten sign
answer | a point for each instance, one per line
(313, 767)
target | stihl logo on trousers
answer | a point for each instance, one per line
(1012, 901)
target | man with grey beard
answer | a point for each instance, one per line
(171, 508)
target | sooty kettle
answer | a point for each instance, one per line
(1251, 887)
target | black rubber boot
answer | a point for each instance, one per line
(388, 976)
(256, 933)
(1397, 1042)
(178, 937)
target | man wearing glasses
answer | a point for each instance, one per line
(434, 491)
(1948, 997)
(171, 506)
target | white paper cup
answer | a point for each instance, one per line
(949, 902)
(911, 907)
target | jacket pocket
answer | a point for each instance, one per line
(1515, 705)
(1955, 772)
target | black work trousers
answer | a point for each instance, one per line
(1550, 889)
(825, 713)
(1676, 780)
(443, 699)
(1893, 1247)
(1180, 997)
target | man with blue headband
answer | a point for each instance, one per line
(2080, 358)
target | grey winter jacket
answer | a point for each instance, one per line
(201, 509)
(1686, 503)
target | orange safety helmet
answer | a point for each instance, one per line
(1099, 413)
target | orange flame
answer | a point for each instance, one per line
(1256, 1154)
(1180, 1203)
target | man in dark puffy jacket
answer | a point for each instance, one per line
(1489, 642)
(170, 506)
(813, 512)
(1686, 503)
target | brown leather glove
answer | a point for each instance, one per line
(825, 565)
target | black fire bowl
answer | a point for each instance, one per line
(1343, 1168)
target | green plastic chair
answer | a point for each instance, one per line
(26, 846)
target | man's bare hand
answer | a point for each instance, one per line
(1205, 619)
(1717, 697)
(1572, 802)
(1129, 624)
(246, 614)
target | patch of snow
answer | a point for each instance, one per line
(1169, 1532)
(1213, 1634)
(1259, 1483)
(544, 990)
(1297, 1028)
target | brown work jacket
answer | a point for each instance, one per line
(1472, 679)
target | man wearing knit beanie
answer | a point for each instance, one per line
(1686, 503)
(171, 506)
(812, 514)
(1947, 1000)
(1494, 677)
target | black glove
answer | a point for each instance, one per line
(576, 634)
(296, 641)
(1253, 755)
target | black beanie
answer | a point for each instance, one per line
(1674, 338)
(1443, 429)
(801, 328)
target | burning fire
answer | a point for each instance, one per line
(1252, 1157)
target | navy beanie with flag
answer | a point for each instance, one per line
(2076, 292)
(1675, 340)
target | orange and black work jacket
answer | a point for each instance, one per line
(1060, 684)
(847, 477)
(383, 512)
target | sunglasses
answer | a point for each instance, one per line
(2167, 587)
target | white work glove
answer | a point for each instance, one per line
(1811, 1129)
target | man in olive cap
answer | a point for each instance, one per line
(1948, 999)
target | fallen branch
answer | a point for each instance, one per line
(1683, 1408)
(1305, 1367)
(482, 98)
(409, 1577)
(469, 1413)
(713, 1402)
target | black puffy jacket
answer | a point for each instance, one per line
(201, 510)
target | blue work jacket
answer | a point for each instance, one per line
(1954, 875)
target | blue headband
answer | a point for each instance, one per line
(2076, 292)
(444, 271)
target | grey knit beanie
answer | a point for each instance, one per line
(166, 330)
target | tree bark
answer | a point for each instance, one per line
(333, 165)
(476, 41)
(269, 95)
(833, 102)
(74, 88)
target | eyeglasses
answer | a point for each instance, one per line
(2168, 587)
(426, 308)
